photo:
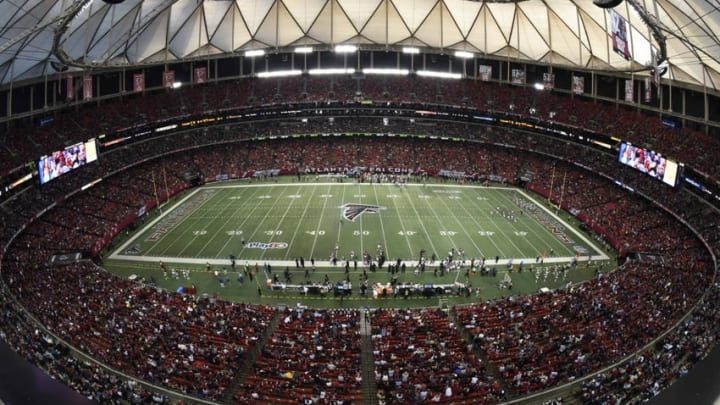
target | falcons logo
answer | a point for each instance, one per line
(353, 210)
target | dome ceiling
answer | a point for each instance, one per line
(569, 33)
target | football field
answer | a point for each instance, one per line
(281, 224)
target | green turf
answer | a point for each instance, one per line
(277, 223)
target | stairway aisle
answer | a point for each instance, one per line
(251, 356)
(368, 360)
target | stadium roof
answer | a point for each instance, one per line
(569, 33)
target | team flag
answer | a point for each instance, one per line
(87, 87)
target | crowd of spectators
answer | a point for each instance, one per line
(645, 375)
(313, 356)
(197, 345)
(90, 380)
(86, 121)
(420, 357)
(553, 338)
(192, 345)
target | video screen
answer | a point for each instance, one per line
(63, 161)
(650, 163)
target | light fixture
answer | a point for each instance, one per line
(345, 48)
(411, 49)
(439, 75)
(304, 49)
(386, 71)
(176, 85)
(255, 52)
(331, 71)
(464, 54)
(280, 73)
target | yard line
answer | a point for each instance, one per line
(499, 249)
(511, 203)
(317, 228)
(545, 229)
(382, 227)
(235, 215)
(422, 224)
(404, 228)
(206, 225)
(263, 219)
(362, 237)
(461, 224)
(208, 196)
(301, 222)
(282, 219)
(337, 241)
(500, 231)
(437, 218)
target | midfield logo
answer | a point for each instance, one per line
(354, 210)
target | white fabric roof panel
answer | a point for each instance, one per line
(572, 33)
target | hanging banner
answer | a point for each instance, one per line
(648, 89)
(138, 82)
(619, 35)
(485, 72)
(629, 90)
(548, 81)
(518, 76)
(200, 74)
(578, 84)
(168, 78)
(87, 87)
(69, 87)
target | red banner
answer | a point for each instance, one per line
(200, 74)
(629, 91)
(87, 87)
(69, 87)
(139, 82)
(168, 78)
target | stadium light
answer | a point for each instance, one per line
(254, 53)
(386, 71)
(331, 71)
(411, 49)
(280, 73)
(439, 75)
(345, 48)
(464, 54)
(304, 49)
(176, 85)
(539, 86)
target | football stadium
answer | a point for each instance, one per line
(359, 202)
